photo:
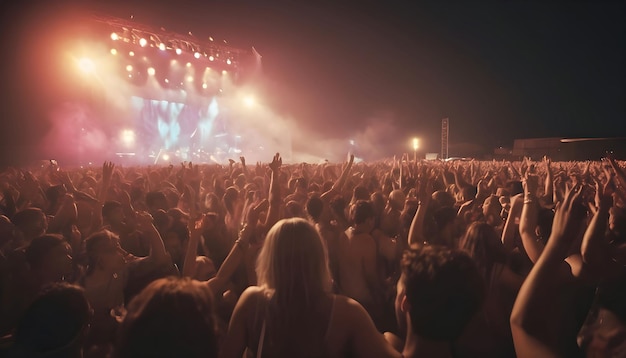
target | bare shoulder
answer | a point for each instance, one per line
(250, 297)
(348, 308)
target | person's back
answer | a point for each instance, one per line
(337, 326)
(356, 250)
(293, 313)
(359, 276)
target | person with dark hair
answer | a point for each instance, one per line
(113, 275)
(439, 292)
(171, 317)
(114, 219)
(49, 258)
(233, 203)
(358, 261)
(29, 224)
(483, 244)
(156, 200)
(54, 325)
(445, 220)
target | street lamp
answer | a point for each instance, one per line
(415, 146)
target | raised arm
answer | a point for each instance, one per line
(157, 248)
(529, 218)
(238, 252)
(107, 173)
(416, 231)
(540, 330)
(548, 191)
(275, 199)
(196, 226)
(512, 222)
(340, 182)
(244, 167)
(595, 248)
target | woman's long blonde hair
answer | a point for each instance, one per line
(293, 264)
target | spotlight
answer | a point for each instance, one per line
(143, 42)
(129, 68)
(188, 64)
(190, 78)
(196, 55)
(224, 72)
(162, 46)
(165, 157)
(179, 51)
(211, 58)
(167, 81)
(127, 136)
(114, 36)
(131, 54)
(204, 86)
(151, 71)
(113, 51)
(228, 62)
(86, 65)
(130, 76)
(210, 38)
(249, 101)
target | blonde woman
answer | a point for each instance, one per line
(292, 313)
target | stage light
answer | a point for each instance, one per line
(130, 75)
(196, 55)
(131, 54)
(224, 72)
(162, 46)
(166, 81)
(127, 136)
(129, 68)
(415, 147)
(228, 62)
(249, 101)
(204, 86)
(113, 51)
(188, 64)
(165, 157)
(179, 51)
(114, 36)
(143, 42)
(190, 78)
(151, 71)
(210, 38)
(86, 65)
(211, 58)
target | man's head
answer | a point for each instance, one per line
(104, 252)
(112, 213)
(50, 256)
(54, 323)
(363, 213)
(156, 200)
(440, 290)
(30, 223)
(396, 200)
(314, 207)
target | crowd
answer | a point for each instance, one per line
(388, 259)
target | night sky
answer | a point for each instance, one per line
(498, 70)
